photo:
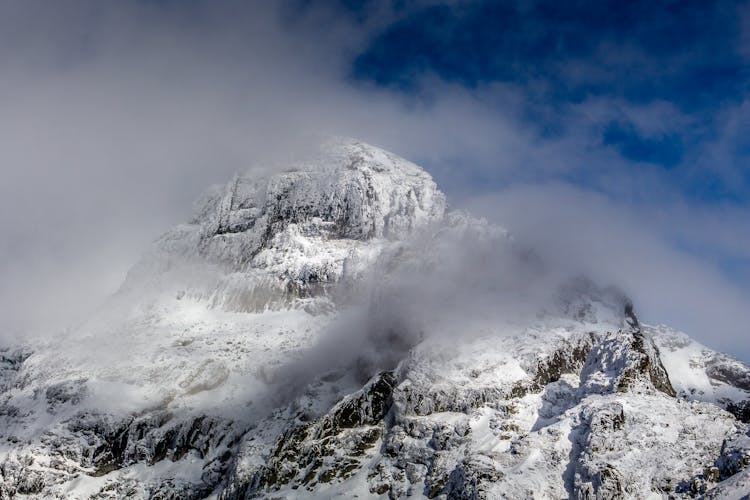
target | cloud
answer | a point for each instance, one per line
(635, 247)
(117, 115)
(462, 279)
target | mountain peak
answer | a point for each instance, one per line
(351, 190)
(299, 228)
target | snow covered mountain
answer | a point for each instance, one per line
(334, 331)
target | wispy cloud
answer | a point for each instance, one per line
(640, 248)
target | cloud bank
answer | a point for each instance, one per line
(116, 116)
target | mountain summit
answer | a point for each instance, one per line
(333, 330)
(313, 224)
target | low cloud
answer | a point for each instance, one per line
(116, 116)
(638, 248)
(462, 279)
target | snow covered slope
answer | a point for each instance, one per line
(334, 331)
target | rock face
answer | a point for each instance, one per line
(287, 236)
(334, 331)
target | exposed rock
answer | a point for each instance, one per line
(623, 362)
(330, 448)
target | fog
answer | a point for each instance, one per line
(638, 249)
(117, 115)
(465, 281)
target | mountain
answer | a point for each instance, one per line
(333, 330)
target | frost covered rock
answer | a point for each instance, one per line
(290, 235)
(625, 361)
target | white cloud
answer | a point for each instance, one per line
(633, 247)
(115, 116)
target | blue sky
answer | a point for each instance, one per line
(688, 58)
(611, 136)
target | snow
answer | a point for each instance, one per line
(689, 364)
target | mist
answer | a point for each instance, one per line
(119, 116)
(635, 248)
(116, 116)
(460, 281)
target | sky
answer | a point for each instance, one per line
(610, 136)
